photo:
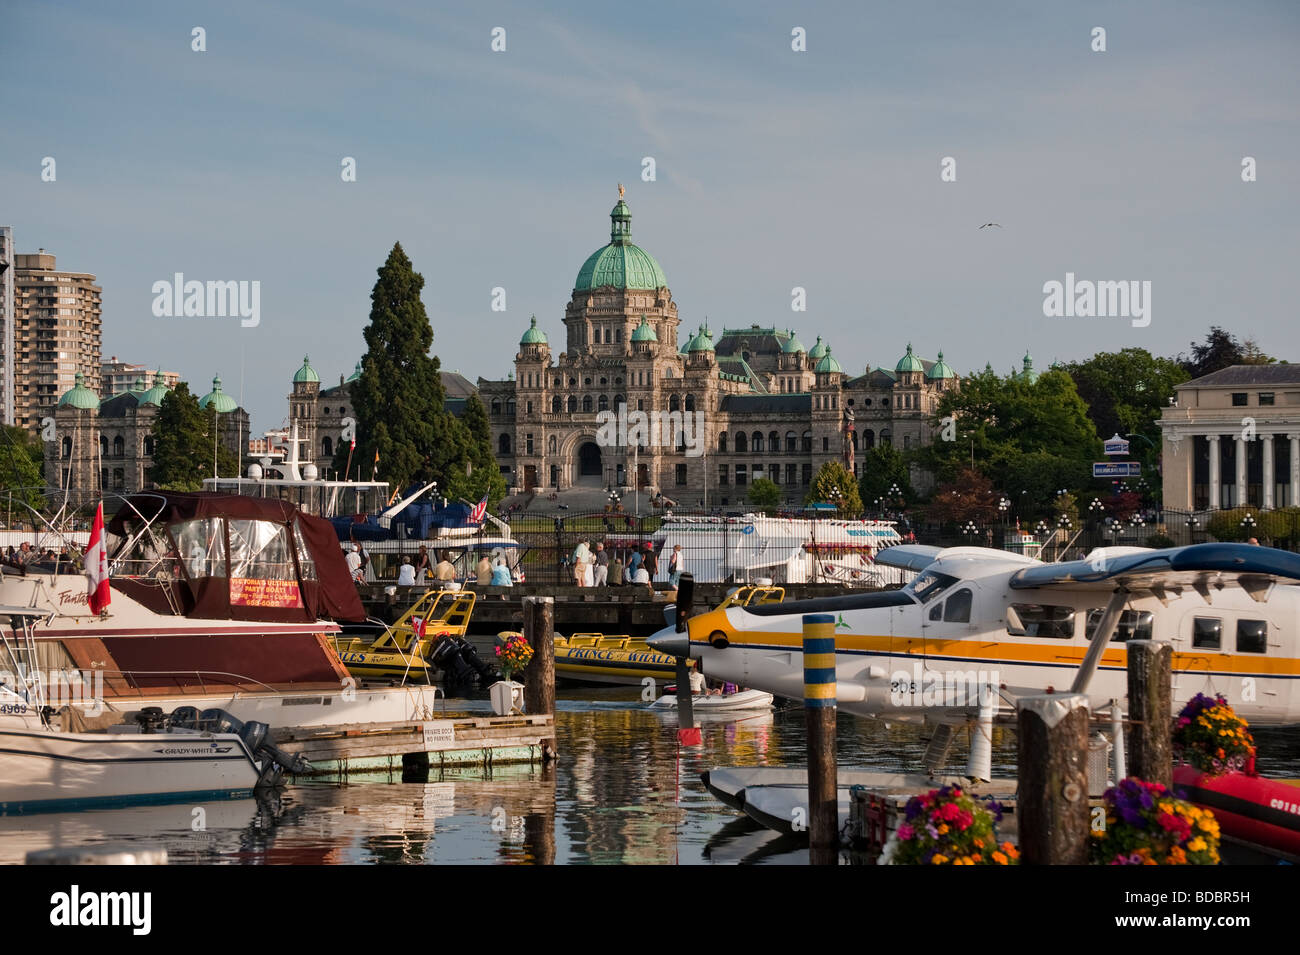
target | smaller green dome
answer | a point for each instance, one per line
(702, 342)
(1028, 374)
(80, 397)
(643, 332)
(534, 335)
(818, 350)
(792, 344)
(156, 394)
(940, 369)
(306, 373)
(141, 385)
(829, 365)
(217, 399)
(909, 362)
(355, 374)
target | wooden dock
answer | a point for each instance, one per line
(455, 739)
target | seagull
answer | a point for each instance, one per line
(987, 224)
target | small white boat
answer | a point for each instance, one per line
(46, 764)
(742, 700)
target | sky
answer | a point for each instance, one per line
(774, 169)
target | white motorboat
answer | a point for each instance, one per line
(188, 754)
(701, 703)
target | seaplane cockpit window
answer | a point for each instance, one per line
(928, 584)
(202, 547)
(1207, 633)
(956, 609)
(1043, 620)
(259, 550)
(1252, 636)
(1133, 625)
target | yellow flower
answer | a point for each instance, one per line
(938, 859)
(943, 828)
(1197, 845)
(999, 858)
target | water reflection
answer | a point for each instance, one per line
(621, 792)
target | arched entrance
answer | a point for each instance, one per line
(588, 464)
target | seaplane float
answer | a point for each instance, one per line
(977, 629)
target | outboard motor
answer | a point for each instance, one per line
(460, 663)
(151, 719)
(273, 761)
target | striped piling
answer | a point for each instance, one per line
(820, 712)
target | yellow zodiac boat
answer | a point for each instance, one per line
(621, 659)
(403, 650)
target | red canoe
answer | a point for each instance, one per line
(1253, 809)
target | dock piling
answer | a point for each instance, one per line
(1150, 679)
(539, 675)
(1052, 805)
(819, 700)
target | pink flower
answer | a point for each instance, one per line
(905, 832)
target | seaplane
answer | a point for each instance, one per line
(977, 628)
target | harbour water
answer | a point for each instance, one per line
(622, 792)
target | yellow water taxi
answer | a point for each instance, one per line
(403, 650)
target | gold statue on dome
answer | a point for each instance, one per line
(620, 190)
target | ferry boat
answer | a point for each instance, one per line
(787, 550)
(404, 650)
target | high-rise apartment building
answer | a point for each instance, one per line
(7, 324)
(119, 377)
(57, 319)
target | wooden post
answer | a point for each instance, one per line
(1052, 805)
(539, 675)
(820, 711)
(1150, 710)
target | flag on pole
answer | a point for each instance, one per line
(477, 511)
(417, 627)
(375, 470)
(98, 594)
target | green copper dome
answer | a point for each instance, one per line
(534, 335)
(940, 369)
(141, 386)
(702, 342)
(829, 365)
(306, 373)
(156, 394)
(819, 349)
(644, 333)
(218, 399)
(355, 374)
(80, 397)
(909, 362)
(792, 344)
(620, 264)
(1028, 374)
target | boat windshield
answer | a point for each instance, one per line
(929, 585)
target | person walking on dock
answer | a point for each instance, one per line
(633, 565)
(675, 566)
(602, 565)
(651, 562)
(422, 565)
(616, 572)
(483, 571)
(445, 570)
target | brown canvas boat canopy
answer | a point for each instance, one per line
(224, 556)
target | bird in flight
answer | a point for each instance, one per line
(987, 224)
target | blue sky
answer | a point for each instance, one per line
(775, 169)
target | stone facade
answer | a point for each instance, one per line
(769, 408)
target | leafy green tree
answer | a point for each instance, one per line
(834, 484)
(399, 398)
(184, 441)
(883, 467)
(20, 467)
(764, 493)
(1221, 350)
(479, 473)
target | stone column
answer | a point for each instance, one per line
(1241, 471)
(1295, 470)
(1216, 493)
(1267, 455)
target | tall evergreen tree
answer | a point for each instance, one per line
(184, 441)
(479, 474)
(398, 399)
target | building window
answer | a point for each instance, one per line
(741, 442)
(807, 442)
(530, 407)
(556, 405)
(807, 475)
(826, 444)
(573, 404)
(884, 436)
(496, 406)
(619, 399)
(1238, 399)
(756, 442)
(528, 444)
(510, 407)
(722, 475)
(907, 441)
(119, 447)
(690, 402)
(774, 473)
(602, 403)
(503, 444)
(326, 447)
(791, 443)
(148, 445)
(868, 439)
(789, 474)
(741, 475)
(1266, 397)
(674, 404)
(119, 479)
(774, 442)
(681, 475)
(586, 403)
(722, 442)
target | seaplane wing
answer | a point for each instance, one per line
(908, 556)
(1199, 566)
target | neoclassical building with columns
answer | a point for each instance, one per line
(771, 407)
(1232, 439)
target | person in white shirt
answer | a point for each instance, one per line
(697, 683)
(406, 576)
(354, 561)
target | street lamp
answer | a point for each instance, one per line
(1096, 507)
(1248, 523)
(970, 530)
(1041, 528)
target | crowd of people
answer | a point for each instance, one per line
(598, 567)
(25, 557)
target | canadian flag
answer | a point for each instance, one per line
(417, 627)
(97, 590)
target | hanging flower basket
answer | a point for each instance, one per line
(948, 826)
(513, 655)
(1146, 825)
(1207, 734)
